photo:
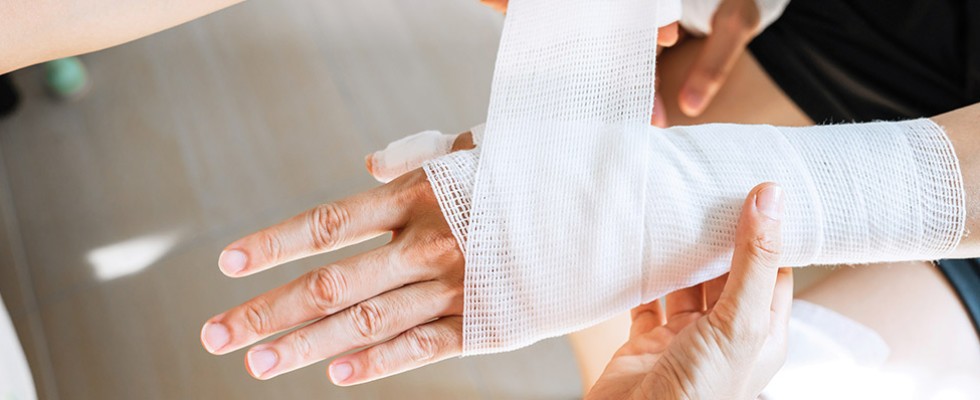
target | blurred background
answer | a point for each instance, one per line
(114, 207)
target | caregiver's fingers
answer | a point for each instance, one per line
(734, 25)
(325, 228)
(419, 346)
(646, 317)
(713, 290)
(782, 300)
(318, 293)
(684, 301)
(363, 324)
(746, 302)
(667, 35)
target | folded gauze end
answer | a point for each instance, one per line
(408, 153)
(855, 193)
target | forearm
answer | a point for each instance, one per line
(33, 31)
(963, 128)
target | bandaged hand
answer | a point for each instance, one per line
(725, 338)
(410, 289)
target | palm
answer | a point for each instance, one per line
(628, 375)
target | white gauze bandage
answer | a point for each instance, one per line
(572, 208)
(698, 15)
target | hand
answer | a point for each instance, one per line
(735, 24)
(410, 289)
(725, 338)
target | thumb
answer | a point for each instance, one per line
(749, 292)
(734, 24)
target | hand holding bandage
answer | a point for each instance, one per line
(724, 338)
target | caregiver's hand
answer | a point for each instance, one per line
(723, 339)
(410, 289)
(734, 25)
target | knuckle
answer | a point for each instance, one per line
(762, 248)
(272, 245)
(416, 188)
(327, 288)
(367, 321)
(257, 316)
(422, 345)
(302, 344)
(326, 223)
(710, 74)
(377, 361)
(443, 244)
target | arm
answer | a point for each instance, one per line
(418, 298)
(33, 31)
(963, 128)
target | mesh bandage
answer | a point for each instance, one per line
(697, 15)
(573, 208)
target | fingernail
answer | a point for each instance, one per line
(262, 361)
(693, 100)
(340, 372)
(369, 163)
(769, 202)
(232, 261)
(215, 336)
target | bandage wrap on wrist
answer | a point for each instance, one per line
(572, 208)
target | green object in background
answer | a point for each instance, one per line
(66, 78)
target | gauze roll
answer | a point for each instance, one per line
(572, 208)
(697, 15)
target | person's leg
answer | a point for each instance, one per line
(748, 97)
(917, 313)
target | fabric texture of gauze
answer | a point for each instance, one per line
(572, 208)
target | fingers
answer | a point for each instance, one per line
(318, 293)
(646, 317)
(667, 35)
(733, 26)
(419, 346)
(499, 5)
(713, 290)
(782, 300)
(686, 300)
(752, 279)
(363, 324)
(407, 154)
(324, 228)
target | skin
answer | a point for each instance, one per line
(731, 330)
(865, 293)
(350, 308)
(35, 31)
